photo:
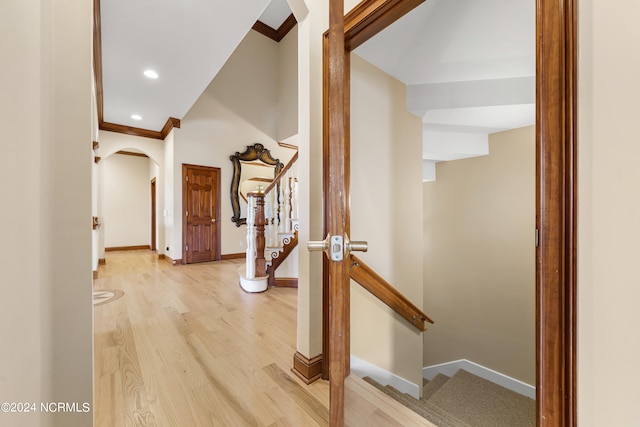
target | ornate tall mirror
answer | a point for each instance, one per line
(253, 170)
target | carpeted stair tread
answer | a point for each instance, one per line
(423, 408)
(434, 385)
(481, 403)
(439, 416)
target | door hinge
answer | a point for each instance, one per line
(186, 213)
(186, 248)
(537, 238)
(186, 178)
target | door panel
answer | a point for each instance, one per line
(201, 191)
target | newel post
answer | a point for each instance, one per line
(261, 263)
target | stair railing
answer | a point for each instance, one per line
(385, 292)
(272, 211)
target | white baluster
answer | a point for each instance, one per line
(243, 208)
(275, 228)
(272, 214)
(294, 193)
(287, 202)
(251, 240)
(280, 207)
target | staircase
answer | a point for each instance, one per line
(287, 242)
(466, 400)
(272, 233)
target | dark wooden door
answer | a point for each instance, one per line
(200, 201)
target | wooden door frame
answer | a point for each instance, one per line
(218, 245)
(556, 191)
(154, 245)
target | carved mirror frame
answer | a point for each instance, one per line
(253, 152)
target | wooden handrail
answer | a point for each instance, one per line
(380, 288)
(281, 174)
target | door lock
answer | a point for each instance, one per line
(337, 247)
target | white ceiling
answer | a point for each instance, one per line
(185, 42)
(469, 65)
(457, 40)
(276, 13)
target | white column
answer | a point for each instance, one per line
(310, 30)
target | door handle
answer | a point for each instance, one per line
(357, 245)
(337, 247)
(318, 245)
(213, 220)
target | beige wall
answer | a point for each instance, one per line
(239, 108)
(310, 29)
(45, 221)
(112, 142)
(386, 207)
(479, 260)
(608, 214)
(126, 200)
(288, 86)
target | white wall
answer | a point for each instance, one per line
(239, 108)
(45, 187)
(126, 201)
(608, 214)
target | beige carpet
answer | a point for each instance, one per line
(482, 403)
(466, 400)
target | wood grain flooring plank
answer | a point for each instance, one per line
(303, 399)
(132, 382)
(185, 346)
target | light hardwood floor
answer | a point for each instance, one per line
(185, 346)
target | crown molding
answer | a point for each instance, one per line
(131, 153)
(171, 123)
(276, 35)
(287, 145)
(97, 59)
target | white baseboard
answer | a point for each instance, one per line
(450, 368)
(362, 368)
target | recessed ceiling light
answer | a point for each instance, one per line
(151, 74)
(136, 117)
